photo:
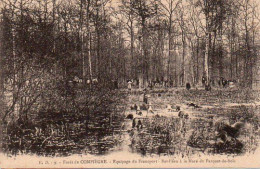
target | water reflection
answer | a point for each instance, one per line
(185, 137)
(157, 135)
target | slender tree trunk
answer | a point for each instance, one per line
(170, 47)
(183, 58)
(54, 29)
(2, 110)
(197, 56)
(14, 61)
(54, 25)
(88, 44)
(231, 57)
(221, 52)
(82, 42)
(133, 67)
(89, 57)
(206, 58)
(248, 68)
(144, 50)
(175, 66)
(214, 58)
(21, 73)
(1, 59)
(236, 59)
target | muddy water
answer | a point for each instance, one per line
(164, 135)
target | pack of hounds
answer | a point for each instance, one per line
(225, 131)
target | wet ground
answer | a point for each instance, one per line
(164, 132)
(158, 128)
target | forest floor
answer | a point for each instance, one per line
(163, 132)
(158, 130)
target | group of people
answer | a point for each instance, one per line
(112, 84)
(151, 83)
(222, 82)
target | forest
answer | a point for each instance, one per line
(66, 62)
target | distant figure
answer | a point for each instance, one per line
(150, 110)
(145, 98)
(161, 80)
(224, 82)
(203, 80)
(129, 85)
(188, 86)
(150, 84)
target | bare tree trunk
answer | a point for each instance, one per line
(133, 67)
(89, 41)
(236, 61)
(206, 60)
(170, 47)
(220, 49)
(248, 68)
(54, 25)
(54, 29)
(14, 61)
(214, 58)
(197, 56)
(1, 80)
(183, 58)
(175, 67)
(82, 42)
(1, 59)
(144, 50)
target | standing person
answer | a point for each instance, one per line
(203, 80)
(129, 85)
(145, 98)
(162, 81)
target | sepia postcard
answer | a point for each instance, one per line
(129, 83)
